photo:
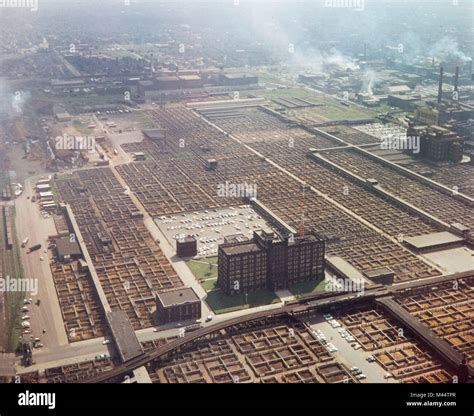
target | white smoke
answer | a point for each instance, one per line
(448, 48)
(316, 62)
(337, 59)
(368, 82)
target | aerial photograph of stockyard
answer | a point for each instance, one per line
(236, 191)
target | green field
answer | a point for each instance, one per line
(201, 269)
(13, 300)
(331, 110)
(216, 299)
(220, 303)
(307, 287)
(209, 284)
(81, 127)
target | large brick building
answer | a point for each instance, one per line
(178, 305)
(269, 261)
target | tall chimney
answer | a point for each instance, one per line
(440, 87)
(456, 79)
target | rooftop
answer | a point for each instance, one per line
(66, 247)
(125, 339)
(178, 297)
(241, 249)
(433, 239)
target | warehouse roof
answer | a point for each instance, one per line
(433, 240)
(190, 77)
(66, 247)
(124, 335)
(155, 133)
(241, 248)
(178, 297)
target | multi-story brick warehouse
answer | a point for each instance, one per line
(270, 262)
(178, 305)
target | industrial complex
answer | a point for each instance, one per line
(184, 205)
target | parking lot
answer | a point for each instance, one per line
(209, 227)
(343, 346)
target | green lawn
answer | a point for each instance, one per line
(201, 270)
(216, 299)
(209, 284)
(307, 287)
(220, 303)
(13, 300)
(81, 127)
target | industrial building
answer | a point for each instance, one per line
(178, 305)
(437, 144)
(269, 261)
(186, 247)
(67, 249)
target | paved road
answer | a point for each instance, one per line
(169, 251)
(30, 223)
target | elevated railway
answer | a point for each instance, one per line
(298, 308)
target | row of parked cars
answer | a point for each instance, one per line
(25, 323)
(331, 321)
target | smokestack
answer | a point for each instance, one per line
(440, 87)
(365, 52)
(456, 79)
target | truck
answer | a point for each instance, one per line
(36, 247)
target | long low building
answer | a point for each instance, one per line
(433, 241)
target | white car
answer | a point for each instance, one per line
(107, 341)
(25, 324)
(388, 375)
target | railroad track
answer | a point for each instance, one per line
(295, 308)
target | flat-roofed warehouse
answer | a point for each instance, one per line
(125, 338)
(155, 134)
(434, 241)
(178, 305)
(67, 249)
